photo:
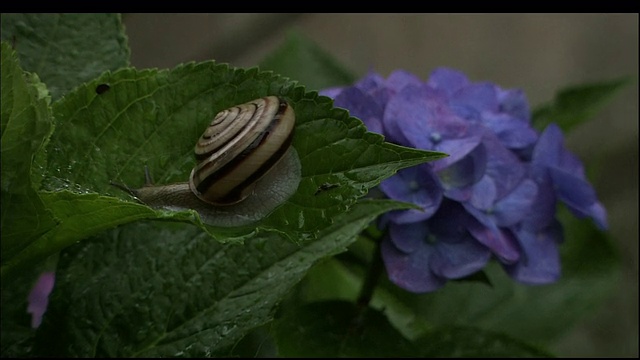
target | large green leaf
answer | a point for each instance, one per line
(26, 126)
(153, 118)
(342, 329)
(574, 105)
(301, 59)
(339, 329)
(459, 342)
(168, 290)
(66, 50)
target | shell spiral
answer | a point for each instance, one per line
(240, 146)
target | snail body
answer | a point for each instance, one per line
(245, 167)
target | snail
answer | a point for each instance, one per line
(246, 167)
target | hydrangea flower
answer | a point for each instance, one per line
(39, 297)
(494, 196)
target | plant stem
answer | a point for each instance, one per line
(372, 277)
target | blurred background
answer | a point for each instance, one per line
(538, 53)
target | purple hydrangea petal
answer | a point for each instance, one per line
(39, 297)
(501, 242)
(503, 167)
(410, 272)
(463, 173)
(417, 185)
(548, 149)
(332, 92)
(370, 82)
(460, 258)
(514, 102)
(421, 116)
(447, 80)
(458, 149)
(509, 210)
(484, 194)
(458, 194)
(517, 205)
(598, 213)
(567, 175)
(361, 106)
(408, 237)
(543, 207)
(400, 79)
(540, 262)
(408, 112)
(579, 196)
(481, 97)
(374, 85)
(512, 133)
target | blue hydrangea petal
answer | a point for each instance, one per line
(503, 166)
(512, 133)
(38, 298)
(417, 185)
(332, 92)
(361, 106)
(516, 205)
(480, 97)
(412, 109)
(514, 102)
(370, 82)
(579, 196)
(543, 208)
(458, 194)
(470, 148)
(501, 242)
(598, 213)
(400, 79)
(410, 271)
(509, 210)
(484, 194)
(458, 258)
(408, 237)
(423, 119)
(540, 260)
(447, 80)
(548, 149)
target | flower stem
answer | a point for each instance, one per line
(372, 277)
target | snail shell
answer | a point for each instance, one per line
(246, 167)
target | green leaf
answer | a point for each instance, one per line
(458, 342)
(301, 59)
(150, 290)
(339, 329)
(135, 123)
(66, 50)
(26, 126)
(80, 216)
(574, 105)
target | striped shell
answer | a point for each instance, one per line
(239, 147)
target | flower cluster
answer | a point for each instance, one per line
(494, 196)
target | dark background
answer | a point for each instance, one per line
(539, 53)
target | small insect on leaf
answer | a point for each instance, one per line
(324, 187)
(102, 88)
